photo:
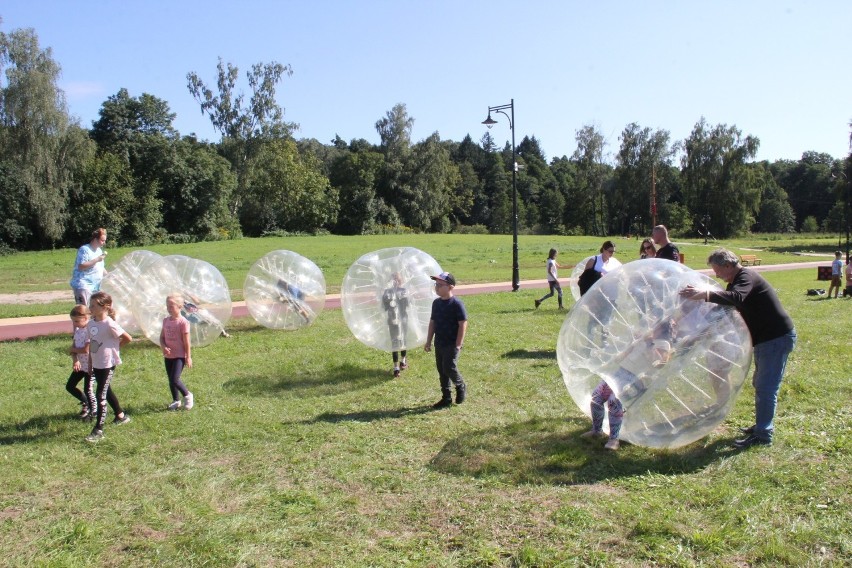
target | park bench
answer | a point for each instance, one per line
(750, 260)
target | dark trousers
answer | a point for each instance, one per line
(87, 396)
(174, 368)
(446, 359)
(104, 395)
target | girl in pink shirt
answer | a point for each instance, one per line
(177, 350)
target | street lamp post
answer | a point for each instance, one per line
(846, 219)
(489, 122)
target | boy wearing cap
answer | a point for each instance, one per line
(448, 325)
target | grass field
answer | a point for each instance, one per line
(302, 451)
(471, 258)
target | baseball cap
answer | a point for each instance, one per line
(445, 277)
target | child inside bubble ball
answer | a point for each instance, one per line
(395, 304)
(645, 354)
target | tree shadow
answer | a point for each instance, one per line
(551, 452)
(40, 428)
(527, 354)
(366, 415)
(320, 382)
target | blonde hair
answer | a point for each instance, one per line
(176, 298)
(80, 310)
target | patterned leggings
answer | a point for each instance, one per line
(103, 377)
(603, 394)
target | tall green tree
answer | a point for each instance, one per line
(717, 184)
(38, 140)
(355, 175)
(590, 210)
(244, 124)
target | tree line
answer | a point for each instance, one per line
(134, 174)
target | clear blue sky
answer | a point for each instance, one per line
(777, 69)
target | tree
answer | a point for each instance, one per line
(643, 160)
(425, 199)
(355, 175)
(124, 119)
(288, 193)
(588, 199)
(38, 140)
(244, 126)
(716, 181)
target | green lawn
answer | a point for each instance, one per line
(471, 258)
(302, 451)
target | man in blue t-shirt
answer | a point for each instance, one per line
(448, 325)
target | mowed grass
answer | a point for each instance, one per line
(303, 451)
(471, 258)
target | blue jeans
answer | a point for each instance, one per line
(770, 359)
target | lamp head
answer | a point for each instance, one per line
(489, 122)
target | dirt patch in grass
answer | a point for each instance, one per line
(37, 297)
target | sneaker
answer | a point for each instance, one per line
(175, 405)
(188, 401)
(537, 303)
(612, 444)
(593, 434)
(396, 373)
(750, 441)
(123, 420)
(747, 431)
(87, 417)
(443, 403)
(461, 394)
(95, 436)
(403, 366)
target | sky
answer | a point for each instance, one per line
(775, 69)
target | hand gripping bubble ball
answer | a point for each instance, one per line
(676, 365)
(284, 290)
(203, 290)
(387, 298)
(120, 283)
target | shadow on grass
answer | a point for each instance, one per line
(41, 428)
(366, 415)
(527, 354)
(551, 452)
(324, 381)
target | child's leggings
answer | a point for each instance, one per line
(84, 398)
(174, 368)
(104, 395)
(603, 394)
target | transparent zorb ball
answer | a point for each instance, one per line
(284, 290)
(676, 365)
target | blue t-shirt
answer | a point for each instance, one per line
(447, 314)
(89, 279)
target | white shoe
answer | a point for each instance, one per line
(188, 401)
(175, 405)
(612, 444)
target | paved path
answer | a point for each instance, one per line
(25, 328)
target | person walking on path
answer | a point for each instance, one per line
(552, 279)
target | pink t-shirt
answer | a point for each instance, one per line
(173, 332)
(103, 343)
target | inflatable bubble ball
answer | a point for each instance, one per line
(676, 365)
(575, 277)
(387, 298)
(284, 290)
(204, 292)
(120, 283)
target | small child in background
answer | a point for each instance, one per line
(836, 275)
(106, 337)
(177, 350)
(82, 369)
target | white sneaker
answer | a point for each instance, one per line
(188, 401)
(175, 405)
(612, 444)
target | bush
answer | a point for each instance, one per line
(470, 230)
